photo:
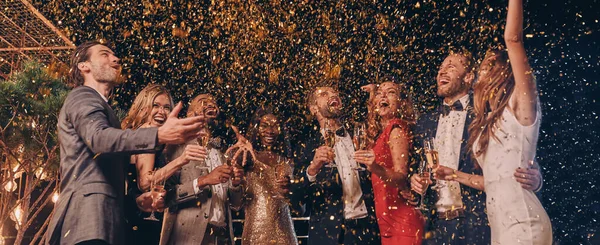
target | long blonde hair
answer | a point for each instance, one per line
(142, 106)
(404, 112)
(490, 97)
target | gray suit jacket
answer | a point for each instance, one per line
(93, 157)
(187, 215)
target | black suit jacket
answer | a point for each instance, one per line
(473, 199)
(322, 199)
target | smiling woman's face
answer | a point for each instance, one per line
(387, 99)
(161, 107)
(268, 130)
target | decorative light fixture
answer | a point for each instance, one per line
(17, 216)
(54, 198)
(40, 173)
(10, 186)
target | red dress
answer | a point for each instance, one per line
(399, 222)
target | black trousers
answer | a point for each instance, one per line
(359, 231)
(458, 231)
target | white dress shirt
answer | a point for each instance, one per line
(354, 206)
(217, 207)
(448, 141)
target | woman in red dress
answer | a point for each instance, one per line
(390, 117)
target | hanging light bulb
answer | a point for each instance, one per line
(17, 216)
(16, 167)
(17, 175)
(54, 198)
(40, 173)
(10, 186)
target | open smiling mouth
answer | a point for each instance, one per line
(443, 81)
(334, 103)
(384, 104)
(269, 138)
(160, 120)
(210, 111)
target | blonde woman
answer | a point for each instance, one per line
(150, 109)
(503, 137)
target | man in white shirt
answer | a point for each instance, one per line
(334, 191)
(457, 201)
(200, 199)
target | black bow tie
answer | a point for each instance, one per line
(340, 132)
(457, 106)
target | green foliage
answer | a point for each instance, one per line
(30, 101)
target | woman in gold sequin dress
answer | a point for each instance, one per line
(268, 219)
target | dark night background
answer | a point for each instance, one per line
(270, 52)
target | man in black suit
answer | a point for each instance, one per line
(457, 203)
(94, 152)
(337, 196)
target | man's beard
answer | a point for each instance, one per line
(105, 74)
(326, 112)
(452, 90)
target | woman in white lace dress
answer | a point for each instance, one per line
(504, 136)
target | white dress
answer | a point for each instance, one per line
(515, 214)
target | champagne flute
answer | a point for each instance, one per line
(282, 170)
(157, 188)
(431, 155)
(424, 173)
(329, 136)
(360, 141)
(203, 140)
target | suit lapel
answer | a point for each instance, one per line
(464, 163)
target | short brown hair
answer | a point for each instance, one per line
(310, 98)
(465, 53)
(81, 54)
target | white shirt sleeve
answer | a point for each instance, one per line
(196, 189)
(311, 178)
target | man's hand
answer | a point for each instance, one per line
(445, 173)
(238, 176)
(178, 131)
(192, 152)
(220, 174)
(323, 155)
(529, 178)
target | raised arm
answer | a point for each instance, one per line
(90, 120)
(145, 164)
(524, 98)
(399, 146)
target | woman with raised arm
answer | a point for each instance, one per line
(504, 135)
(267, 213)
(390, 136)
(150, 109)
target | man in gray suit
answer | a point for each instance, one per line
(201, 195)
(94, 152)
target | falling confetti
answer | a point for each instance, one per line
(251, 54)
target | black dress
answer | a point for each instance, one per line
(142, 232)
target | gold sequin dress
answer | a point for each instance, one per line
(268, 219)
